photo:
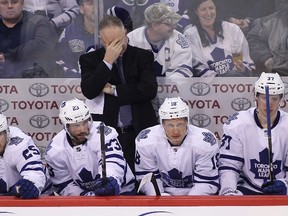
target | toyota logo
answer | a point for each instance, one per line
(4, 105)
(38, 89)
(39, 121)
(200, 89)
(201, 120)
(239, 104)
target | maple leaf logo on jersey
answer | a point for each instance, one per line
(231, 118)
(143, 134)
(15, 140)
(107, 130)
(221, 63)
(175, 179)
(182, 41)
(87, 181)
(208, 137)
(261, 168)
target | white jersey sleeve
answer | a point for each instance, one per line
(22, 160)
(173, 58)
(189, 169)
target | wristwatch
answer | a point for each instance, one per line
(113, 89)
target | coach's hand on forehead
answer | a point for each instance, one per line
(113, 50)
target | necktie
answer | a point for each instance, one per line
(125, 111)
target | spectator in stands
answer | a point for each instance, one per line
(172, 52)
(75, 156)
(181, 156)
(243, 13)
(78, 38)
(60, 12)
(21, 171)
(211, 40)
(248, 164)
(268, 41)
(26, 42)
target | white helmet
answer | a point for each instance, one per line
(3, 122)
(73, 111)
(273, 81)
(173, 108)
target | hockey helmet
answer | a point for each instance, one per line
(273, 81)
(73, 111)
(173, 108)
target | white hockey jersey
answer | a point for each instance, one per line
(173, 58)
(74, 170)
(190, 169)
(21, 159)
(218, 55)
(244, 151)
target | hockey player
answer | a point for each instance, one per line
(182, 157)
(244, 165)
(21, 172)
(74, 156)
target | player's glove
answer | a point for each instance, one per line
(230, 192)
(277, 187)
(3, 187)
(107, 186)
(87, 193)
(25, 189)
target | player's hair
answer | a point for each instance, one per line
(195, 21)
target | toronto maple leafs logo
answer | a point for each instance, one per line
(182, 41)
(15, 140)
(175, 179)
(208, 137)
(143, 134)
(231, 118)
(261, 168)
(86, 181)
(220, 63)
(107, 130)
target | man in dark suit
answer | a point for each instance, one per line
(101, 83)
